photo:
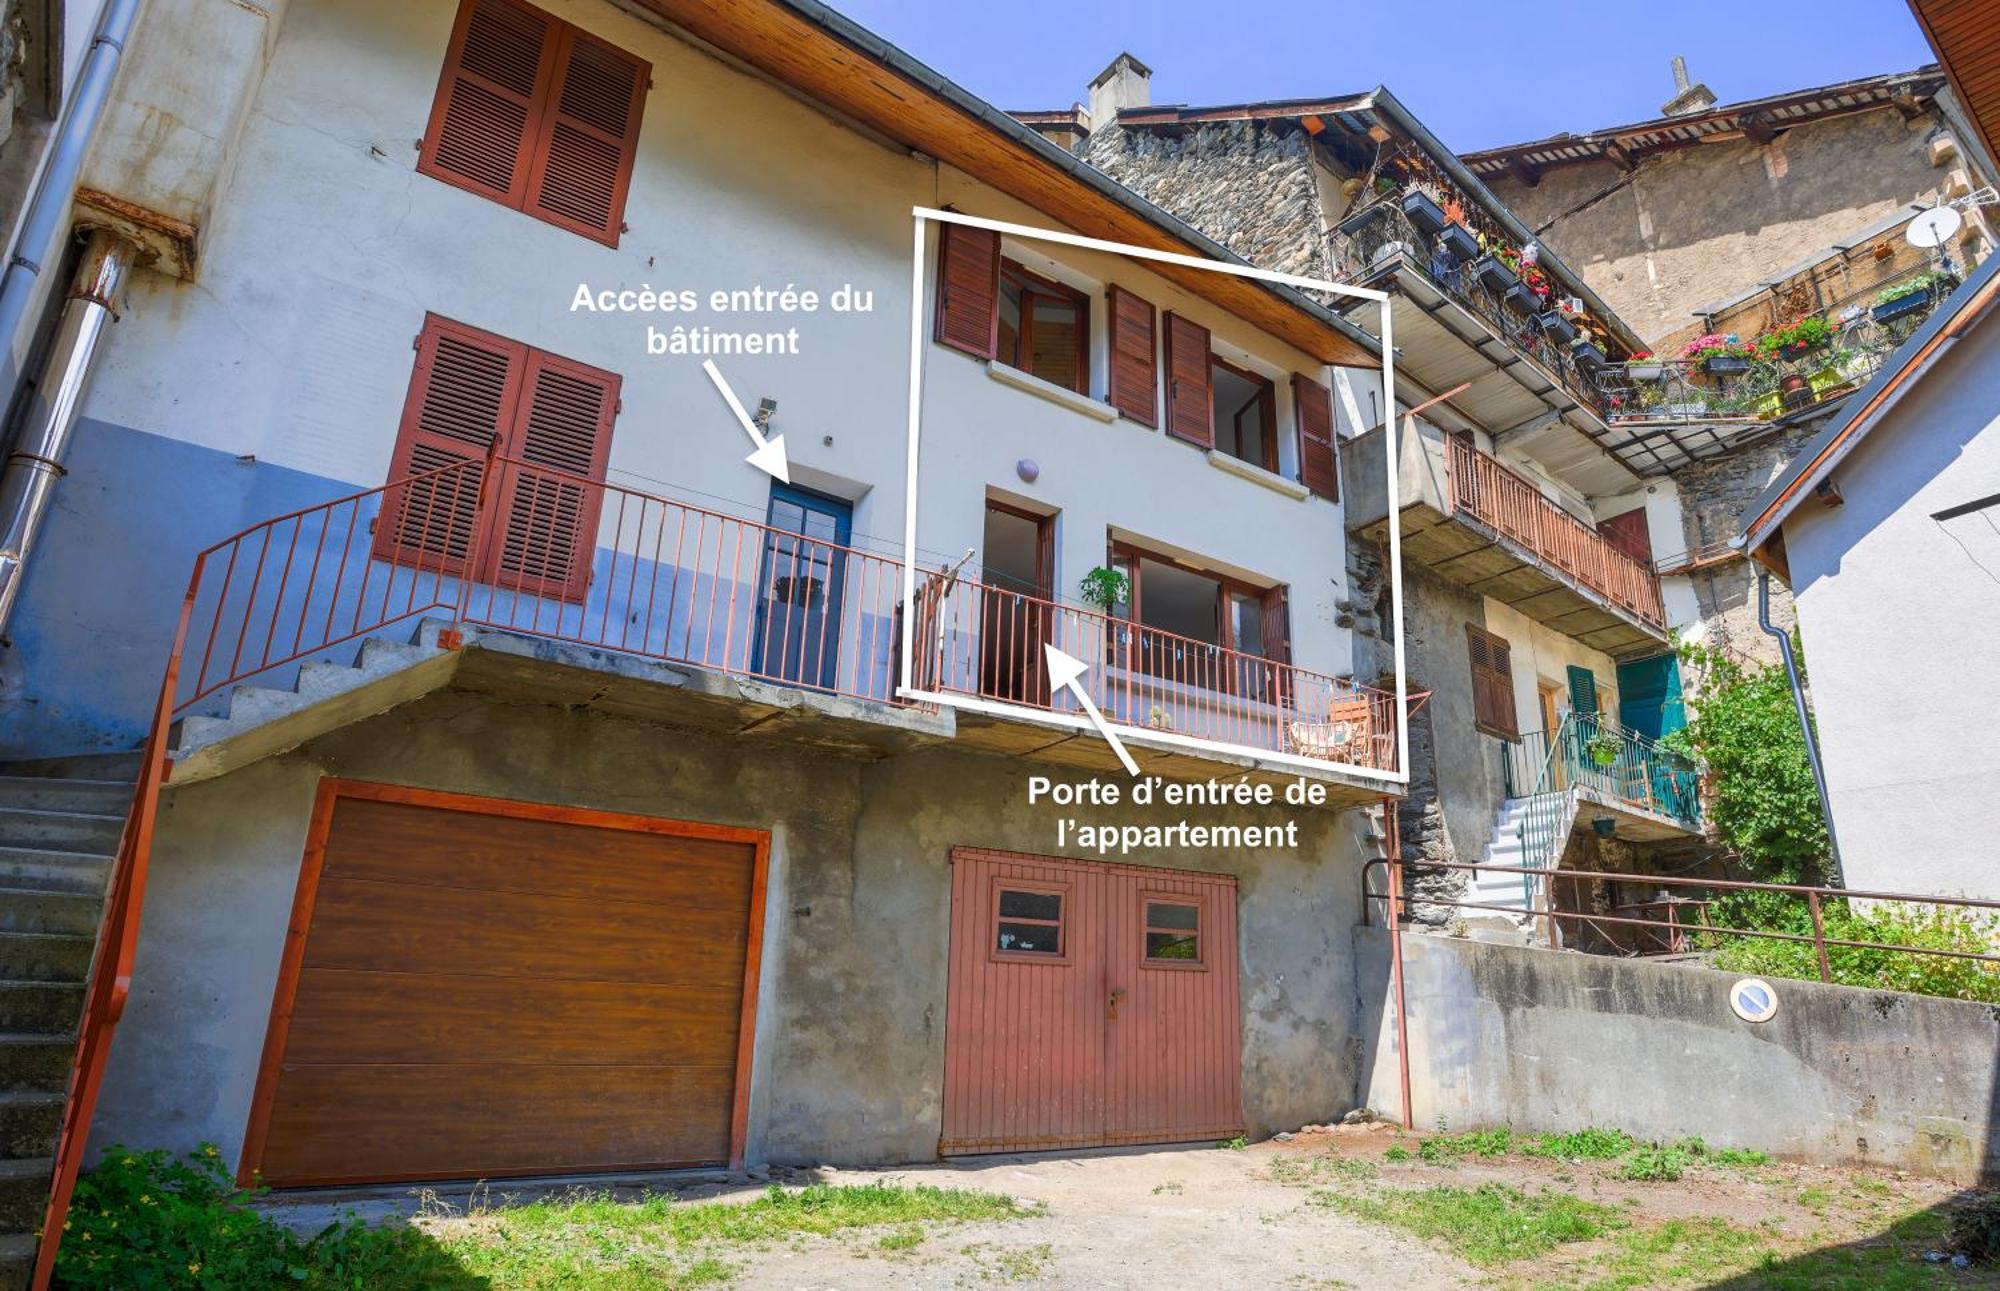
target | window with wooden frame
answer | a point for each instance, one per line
(1044, 328)
(1492, 683)
(1028, 920)
(1173, 931)
(537, 115)
(1209, 631)
(1246, 413)
(549, 420)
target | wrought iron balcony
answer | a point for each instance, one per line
(1382, 240)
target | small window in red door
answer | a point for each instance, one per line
(1173, 931)
(1028, 921)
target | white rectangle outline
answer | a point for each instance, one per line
(1044, 717)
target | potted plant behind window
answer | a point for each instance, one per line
(1107, 589)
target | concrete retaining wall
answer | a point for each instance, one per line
(1542, 1040)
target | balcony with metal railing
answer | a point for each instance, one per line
(541, 582)
(1800, 346)
(1464, 515)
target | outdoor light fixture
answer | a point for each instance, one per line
(1027, 470)
(766, 409)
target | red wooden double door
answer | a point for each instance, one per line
(1090, 1004)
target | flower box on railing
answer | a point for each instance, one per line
(1497, 276)
(1726, 365)
(1900, 307)
(1556, 324)
(1457, 242)
(1362, 218)
(1426, 214)
(1650, 371)
(1522, 299)
(1588, 357)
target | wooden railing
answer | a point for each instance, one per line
(1488, 492)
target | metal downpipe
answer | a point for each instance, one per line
(1784, 641)
(28, 479)
(55, 188)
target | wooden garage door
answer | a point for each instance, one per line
(1090, 1004)
(474, 988)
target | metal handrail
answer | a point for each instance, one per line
(1814, 897)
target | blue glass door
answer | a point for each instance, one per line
(799, 588)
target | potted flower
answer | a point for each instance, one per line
(1642, 366)
(1457, 242)
(1718, 355)
(1911, 295)
(1522, 297)
(1796, 341)
(1105, 588)
(1604, 748)
(1424, 212)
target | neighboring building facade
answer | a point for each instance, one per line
(1533, 614)
(1739, 220)
(487, 582)
(1884, 527)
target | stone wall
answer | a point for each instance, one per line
(1250, 185)
(1695, 226)
(1544, 1041)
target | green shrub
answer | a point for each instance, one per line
(144, 1220)
(1930, 927)
(1655, 1164)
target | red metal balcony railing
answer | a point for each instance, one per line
(988, 642)
(1488, 492)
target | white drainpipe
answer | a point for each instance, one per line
(31, 471)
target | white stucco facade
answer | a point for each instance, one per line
(1899, 612)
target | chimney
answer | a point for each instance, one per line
(1127, 83)
(1687, 98)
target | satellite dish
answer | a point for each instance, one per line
(1933, 228)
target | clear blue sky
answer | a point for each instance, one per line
(1478, 72)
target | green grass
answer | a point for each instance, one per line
(1655, 1164)
(1590, 1144)
(1685, 1252)
(1397, 1152)
(595, 1242)
(1490, 1225)
(1308, 1170)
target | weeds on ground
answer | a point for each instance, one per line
(1304, 1171)
(1236, 1144)
(1490, 1225)
(1655, 1164)
(1398, 1153)
(1590, 1144)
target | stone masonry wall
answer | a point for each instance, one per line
(1249, 185)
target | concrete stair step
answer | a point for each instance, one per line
(29, 910)
(17, 1261)
(45, 957)
(24, 1191)
(35, 1063)
(65, 831)
(28, 1123)
(46, 870)
(48, 793)
(50, 1008)
(79, 766)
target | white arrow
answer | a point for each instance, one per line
(1064, 670)
(769, 456)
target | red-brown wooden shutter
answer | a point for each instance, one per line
(589, 135)
(1277, 626)
(968, 290)
(1190, 402)
(1135, 363)
(490, 98)
(1319, 464)
(1492, 683)
(548, 509)
(1629, 534)
(464, 393)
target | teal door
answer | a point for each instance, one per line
(1649, 696)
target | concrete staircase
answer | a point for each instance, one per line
(248, 722)
(60, 821)
(1513, 921)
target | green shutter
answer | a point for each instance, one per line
(1582, 690)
